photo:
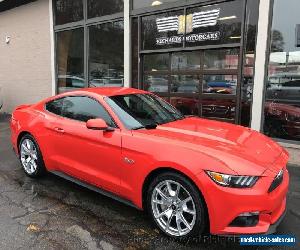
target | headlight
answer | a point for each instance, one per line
(235, 181)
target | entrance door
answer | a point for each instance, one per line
(203, 82)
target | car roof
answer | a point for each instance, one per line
(108, 91)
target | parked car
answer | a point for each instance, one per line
(282, 120)
(211, 108)
(284, 87)
(189, 173)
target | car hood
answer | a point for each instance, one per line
(244, 151)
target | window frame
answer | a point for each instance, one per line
(88, 27)
(55, 56)
(55, 16)
(109, 16)
(85, 23)
(72, 95)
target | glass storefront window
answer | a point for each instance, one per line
(218, 108)
(221, 59)
(185, 61)
(282, 105)
(98, 8)
(214, 24)
(156, 62)
(220, 84)
(196, 51)
(138, 4)
(156, 83)
(185, 83)
(67, 11)
(70, 60)
(106, 55)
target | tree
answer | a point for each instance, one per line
(277, 41)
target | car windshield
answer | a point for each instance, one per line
(138, 111)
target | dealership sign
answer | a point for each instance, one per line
(186, 25)
(200, 37)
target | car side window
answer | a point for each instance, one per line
(55, 106)
(82, 108)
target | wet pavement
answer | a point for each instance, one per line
(52, 213)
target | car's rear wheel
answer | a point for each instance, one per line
(176, 206)
(31, 157)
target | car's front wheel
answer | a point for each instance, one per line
(176, 206)
(31, 157)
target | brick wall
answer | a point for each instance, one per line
(25, 63)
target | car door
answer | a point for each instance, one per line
(90, 155)
(51, 134)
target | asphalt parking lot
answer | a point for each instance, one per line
(52, 213)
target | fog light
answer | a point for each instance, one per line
(249, 219)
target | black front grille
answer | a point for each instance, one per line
(276, 182)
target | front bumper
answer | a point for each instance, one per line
(225, 204)
(273, 227)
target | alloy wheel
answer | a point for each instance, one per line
(29, 156)
(173, 208)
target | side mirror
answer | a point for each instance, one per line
(98, 124)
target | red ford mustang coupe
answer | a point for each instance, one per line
(190, 174)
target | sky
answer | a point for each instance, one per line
(285, 17)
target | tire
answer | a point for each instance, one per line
(31, 157)
(166, 210)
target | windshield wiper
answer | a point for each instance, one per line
(148, 126)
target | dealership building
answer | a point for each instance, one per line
(234, 61)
